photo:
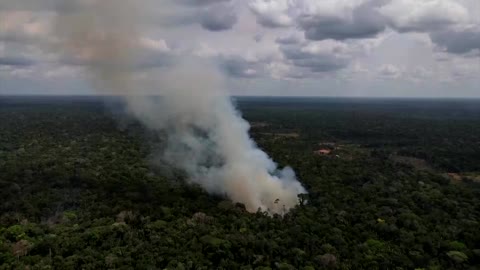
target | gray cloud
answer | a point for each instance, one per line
(15, 37)
(236, 66)
(293, 61)
(18, 62)
(287, 40)
(14, 61)
(322, 20)
(218, 18)
(211, 15)
(271, 14)
(59, 6)
(202, 2)
(427, 24)
(258, 38)
(447, 22)
(273, 20)
(389, 72)
(312, 40)
(423, 16)
(315, 61)
(28, 5)
(457, 41)
(365, 21)
(72, 5)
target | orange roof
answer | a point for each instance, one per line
(323, 152)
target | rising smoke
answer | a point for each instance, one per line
(206, 136)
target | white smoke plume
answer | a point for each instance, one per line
(206, 136)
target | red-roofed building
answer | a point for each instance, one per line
(323, 152)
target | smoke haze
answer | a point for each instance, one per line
(206, 136)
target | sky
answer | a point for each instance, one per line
(365, 48)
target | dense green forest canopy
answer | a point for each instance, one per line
(392, 184)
